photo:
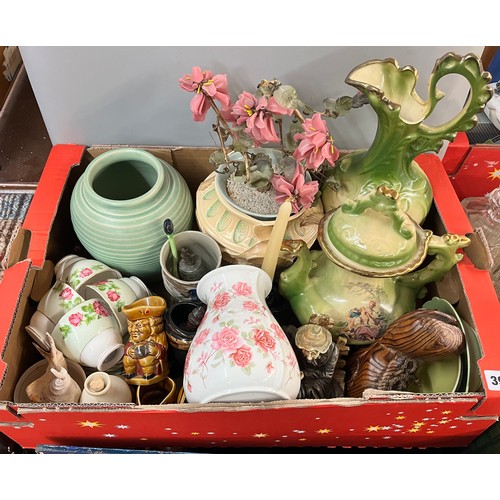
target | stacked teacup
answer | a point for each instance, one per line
(83, 312)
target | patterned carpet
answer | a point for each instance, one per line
(14, 204)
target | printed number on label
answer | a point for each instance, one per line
(492, 379)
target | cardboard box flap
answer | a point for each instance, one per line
(46, 199)
(481, 296)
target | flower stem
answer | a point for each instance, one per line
(220, 119)
(298, 115)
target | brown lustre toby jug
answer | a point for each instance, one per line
(369, 271)
(145, 357)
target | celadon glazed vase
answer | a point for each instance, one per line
(239, 352)
(401, 133)
(371, 268)
(118, 207)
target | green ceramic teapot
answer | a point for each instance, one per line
(371, 267)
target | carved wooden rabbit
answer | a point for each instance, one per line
(56, 384)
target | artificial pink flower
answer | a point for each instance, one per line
(244, 107)
(242, 356)
(85, 272)
(316, 143)
(258, 116)
(206, 85)
(299, 192)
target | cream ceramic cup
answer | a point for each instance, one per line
(116, 293)
(101, 387)
(77, 271)
(197, 242)
(63, 264)
(38, 327)
(58, 300)
(90, 335)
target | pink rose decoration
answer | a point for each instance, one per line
(227, 339)
(186, 363)
(99, 309)
(201, 336)
(242, 288)
(299, 192)
(269, 367)
(85, 272)
(242, 356)
(248, 305)
(75, 319)
(206, 86)
(278, 331)
(66, 294)
(316, 143)
(112, 296)
(221, 300)
(264, 340)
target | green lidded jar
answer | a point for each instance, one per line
(118, 207)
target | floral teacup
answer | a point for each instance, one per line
(81, 272)
(90, 335)
(58, 301)
(116, 293)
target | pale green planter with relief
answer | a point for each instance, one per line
(118, 207)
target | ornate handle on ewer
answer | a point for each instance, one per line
(391, 92)
(444, 248)
(468, 66)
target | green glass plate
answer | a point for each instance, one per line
(439, 376)
(473, 352)
(446, 375)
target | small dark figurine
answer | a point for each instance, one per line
(317, 356)
(391, 362)
(191, 266)
(194, 318)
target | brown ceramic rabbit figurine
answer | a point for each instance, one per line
(55, 385)
(391, 362)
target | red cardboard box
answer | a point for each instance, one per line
(378, 419)
(474, 170)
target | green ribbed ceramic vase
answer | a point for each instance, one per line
(118, 207)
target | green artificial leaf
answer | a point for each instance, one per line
(260, 178)
(294, 128)
(217, 158)
(306, 109)
(286, 96)
(338, 107)
(359, 100)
